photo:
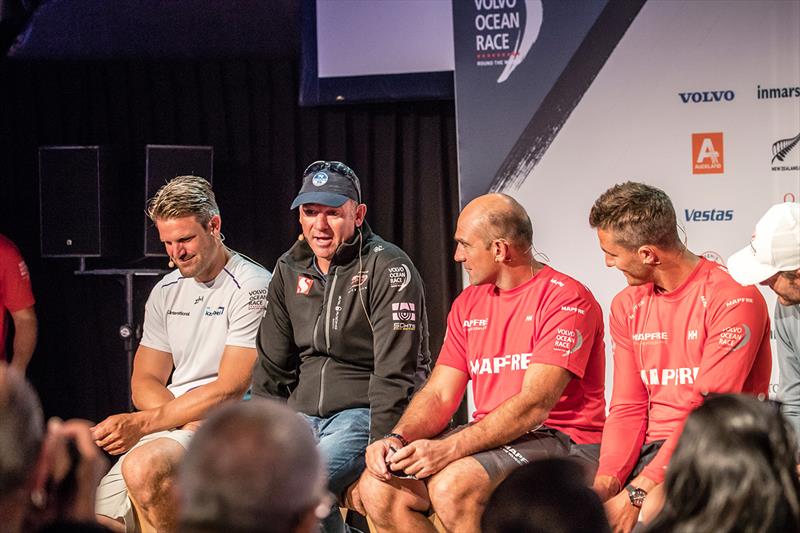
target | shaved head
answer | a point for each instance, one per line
(499, 216)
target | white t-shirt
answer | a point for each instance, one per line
(194, 321)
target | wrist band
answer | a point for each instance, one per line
(397, 436)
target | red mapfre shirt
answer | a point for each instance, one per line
(494, 335)
(15, 286)
(708, 335)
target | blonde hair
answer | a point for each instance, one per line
(181, 197)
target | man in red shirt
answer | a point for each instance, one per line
(682, 329)
(16, 297)
(531, 341)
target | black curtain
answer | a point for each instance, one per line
(404, 153)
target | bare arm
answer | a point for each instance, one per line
(523, 412)
(526, 410)
(118, 433)
(433, 406)
(151, 369)
(427, 415)
(233, 380)
(25, 329)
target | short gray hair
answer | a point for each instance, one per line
(184, 196)
(252, 466)
(21, 430)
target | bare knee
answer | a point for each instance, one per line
(459, 491)
(384, 501)
(149, 471)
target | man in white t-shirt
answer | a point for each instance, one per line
(200, 327)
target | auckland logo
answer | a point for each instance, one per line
(500, 37)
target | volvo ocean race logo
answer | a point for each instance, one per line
(505, 31)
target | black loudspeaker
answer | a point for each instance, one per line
(74, 202)
(164, 162)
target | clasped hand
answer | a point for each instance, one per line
(421, 459)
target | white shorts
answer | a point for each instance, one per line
(112, 494)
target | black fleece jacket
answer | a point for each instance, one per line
(356, 337)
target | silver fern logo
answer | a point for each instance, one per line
(785, 154)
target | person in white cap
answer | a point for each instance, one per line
(773, 258)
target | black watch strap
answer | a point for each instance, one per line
(397, 436)
(636, 495)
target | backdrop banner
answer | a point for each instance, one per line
(556, 103)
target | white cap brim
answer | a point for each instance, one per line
(744, 268)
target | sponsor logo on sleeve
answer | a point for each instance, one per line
(691, 335)
(378, 248)
(572, 309)
(304, 285)
(568, 341)
(557, 282)
(399, 277)
(735, 336)
(707, 153)
(669, 376)
(737, 301)
(404, 316)
(23, 270)
(476, 324)
(257, 299)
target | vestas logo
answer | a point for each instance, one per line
(707, 96)
(500, 38)
(708, 215)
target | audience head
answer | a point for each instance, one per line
(547, 496)
(773, 256)
(733, 470)
(252, 467)
(21, 431)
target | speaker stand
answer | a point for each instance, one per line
(128, 331)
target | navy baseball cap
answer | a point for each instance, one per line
(328, 183)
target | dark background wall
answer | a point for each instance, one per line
(246, 108)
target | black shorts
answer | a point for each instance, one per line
(538, 444)
(647, 454)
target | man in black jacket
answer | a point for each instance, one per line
(345, 335)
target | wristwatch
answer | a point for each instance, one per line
(397, 436)
(636, 495)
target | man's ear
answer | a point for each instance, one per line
(648, 255)
(361, 213)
